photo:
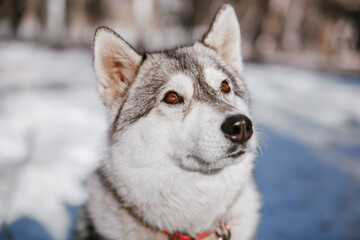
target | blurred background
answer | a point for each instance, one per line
(302, 69)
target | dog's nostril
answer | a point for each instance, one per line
(237, 128)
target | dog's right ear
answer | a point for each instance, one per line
(224, 37)
(115, 63)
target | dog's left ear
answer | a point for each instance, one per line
(224, 37)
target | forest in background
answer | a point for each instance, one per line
(322, 34)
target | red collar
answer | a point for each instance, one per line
(180, 236)
(203, 235)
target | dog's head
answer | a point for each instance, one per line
(187, 106)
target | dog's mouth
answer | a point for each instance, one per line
(195, 163)
(235, 154)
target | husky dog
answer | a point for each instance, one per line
(181, 142)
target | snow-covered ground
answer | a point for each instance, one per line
(52, 124)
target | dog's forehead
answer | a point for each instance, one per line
(182, 80)
(197, 62)
(189, 61)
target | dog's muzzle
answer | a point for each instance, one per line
(237, 128)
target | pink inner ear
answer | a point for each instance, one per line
(117, 69)
(114, 69)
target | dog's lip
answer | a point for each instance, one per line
(213, 167)
(235, 154)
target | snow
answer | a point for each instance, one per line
(52, 127)
(51, 124)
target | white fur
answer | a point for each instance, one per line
(204, 202)
(147, 162)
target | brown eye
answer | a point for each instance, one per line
(225, 88)
(172, 98)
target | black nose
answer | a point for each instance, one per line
(238, 128)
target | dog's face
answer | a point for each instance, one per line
(187, 107)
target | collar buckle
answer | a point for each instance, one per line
(225, 232)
